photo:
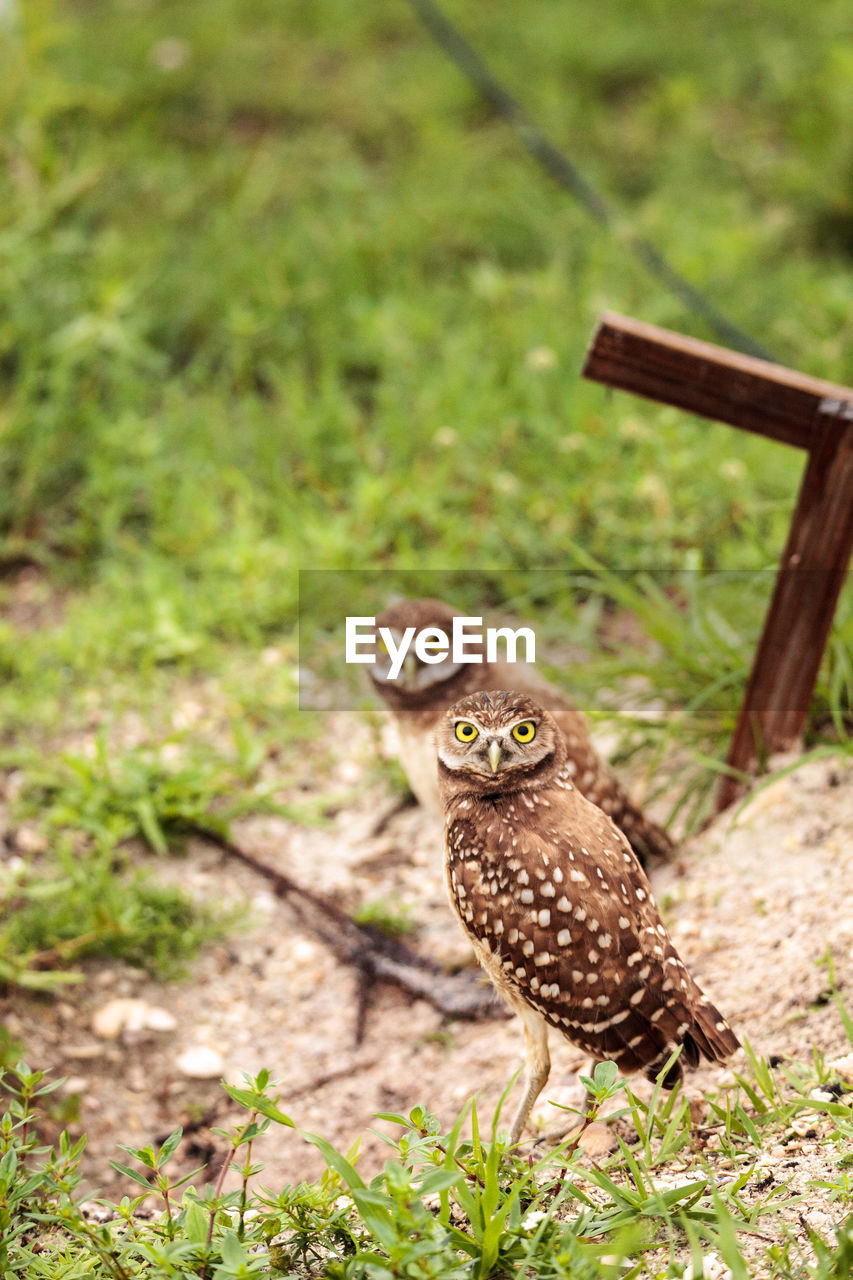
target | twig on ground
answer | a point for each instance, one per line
(399, 806)
(376, 957)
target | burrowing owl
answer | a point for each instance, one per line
(560, 913)
(422, 692)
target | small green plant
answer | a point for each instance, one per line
(113, 797)
(388, 916)
(87, 906)
(442, 1205)
(83, 895)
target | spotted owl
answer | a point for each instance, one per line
(421, 693)
(559, 911)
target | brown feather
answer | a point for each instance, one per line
(544, 879)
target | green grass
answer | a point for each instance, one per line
(444, 1205)
(300, 300)
(246, 296)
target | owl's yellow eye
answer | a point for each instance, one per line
(524, 732)
(466, 732)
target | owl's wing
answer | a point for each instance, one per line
(598, 783)
(591, 774)
(562, 902)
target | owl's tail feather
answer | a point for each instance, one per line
(709, 1036)
(711, 1033)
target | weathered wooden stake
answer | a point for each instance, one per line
(794, 409)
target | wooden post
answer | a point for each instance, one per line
(793, 409)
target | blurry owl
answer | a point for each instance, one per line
(420, 694)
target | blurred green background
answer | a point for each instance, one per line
(280, 291)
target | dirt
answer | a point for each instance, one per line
(754, 904)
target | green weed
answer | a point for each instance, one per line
(443, 1205)
(87, 905)
(392, 918)
(280, 293)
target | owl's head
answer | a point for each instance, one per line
(497, 742)
(419, 684)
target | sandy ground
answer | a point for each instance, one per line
(754, 903)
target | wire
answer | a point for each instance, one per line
(568, 176)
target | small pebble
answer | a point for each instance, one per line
(83, 1051)
(129, 1014)
(713, 1268)
(843, 1067)
(598, 1140)
(265, 902)
(200, 1062)
(30, 840)
(75, 1084)
(303, 951)
(95, 1212)
(159, 1019)
(350, 772)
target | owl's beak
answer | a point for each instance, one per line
(494, 754)
(410, 668)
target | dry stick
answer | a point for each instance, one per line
(376, 957)
(331, 1077)
(363, 996)
(399, 806)
(217, 1192)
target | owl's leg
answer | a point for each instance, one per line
(537, 1065)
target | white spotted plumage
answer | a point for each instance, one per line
(594, 960)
